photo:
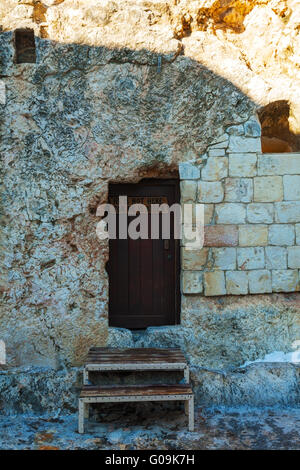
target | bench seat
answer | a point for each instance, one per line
(133, 393)
(134, 390)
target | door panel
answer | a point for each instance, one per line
(144, 274)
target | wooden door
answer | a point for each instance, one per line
(144, 273)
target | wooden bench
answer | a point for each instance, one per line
(128, 393)
(135, 359)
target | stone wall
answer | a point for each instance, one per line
(121, 91)
(252, 217)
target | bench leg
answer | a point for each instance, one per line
(85, 376)
(186, 407)
(191, 413)
(81, 416)
(187, 375)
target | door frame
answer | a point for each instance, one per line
(177, 271)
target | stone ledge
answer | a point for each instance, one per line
(42, 391)
(260, 384)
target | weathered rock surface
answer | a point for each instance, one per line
(120, 429)
(39, 390)
(36, 391)
(121, 91)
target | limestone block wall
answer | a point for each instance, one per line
(252, 217)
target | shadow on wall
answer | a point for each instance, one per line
(274, 117)
(276, 134)
(81, 117)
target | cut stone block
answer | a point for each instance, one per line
(297, 229)
(224, 258)
(216, 152)
(291, 187)
(208, 213)
(210, 191)
(279, 164)
(242, 164)
(221, 235)
(237, 282)
(192, 282)
(221, 142)
(215, 169)
(188, 190)
(214, 283)
(230, 213)
(253, 235)
(268, 188)
(250, 258)
(260, 281)
(285, 280)
(187, 171)
(252, 129)
(238, 190)
(294, 257)
(236, 130)
(194, 260)
(276, 257)
(238, 144)
(281, 234)
(287, 212)
(260, 213)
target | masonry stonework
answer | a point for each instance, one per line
(122, 91)
(264, 255)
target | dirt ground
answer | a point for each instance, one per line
(155, 427)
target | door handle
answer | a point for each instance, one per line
(166, 244)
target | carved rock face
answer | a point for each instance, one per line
(114, 96)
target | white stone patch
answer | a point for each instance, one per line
(278, 356)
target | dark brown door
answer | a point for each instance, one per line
(144, 273)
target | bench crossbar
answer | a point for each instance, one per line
(85, 402)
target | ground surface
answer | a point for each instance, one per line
(157, 428)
